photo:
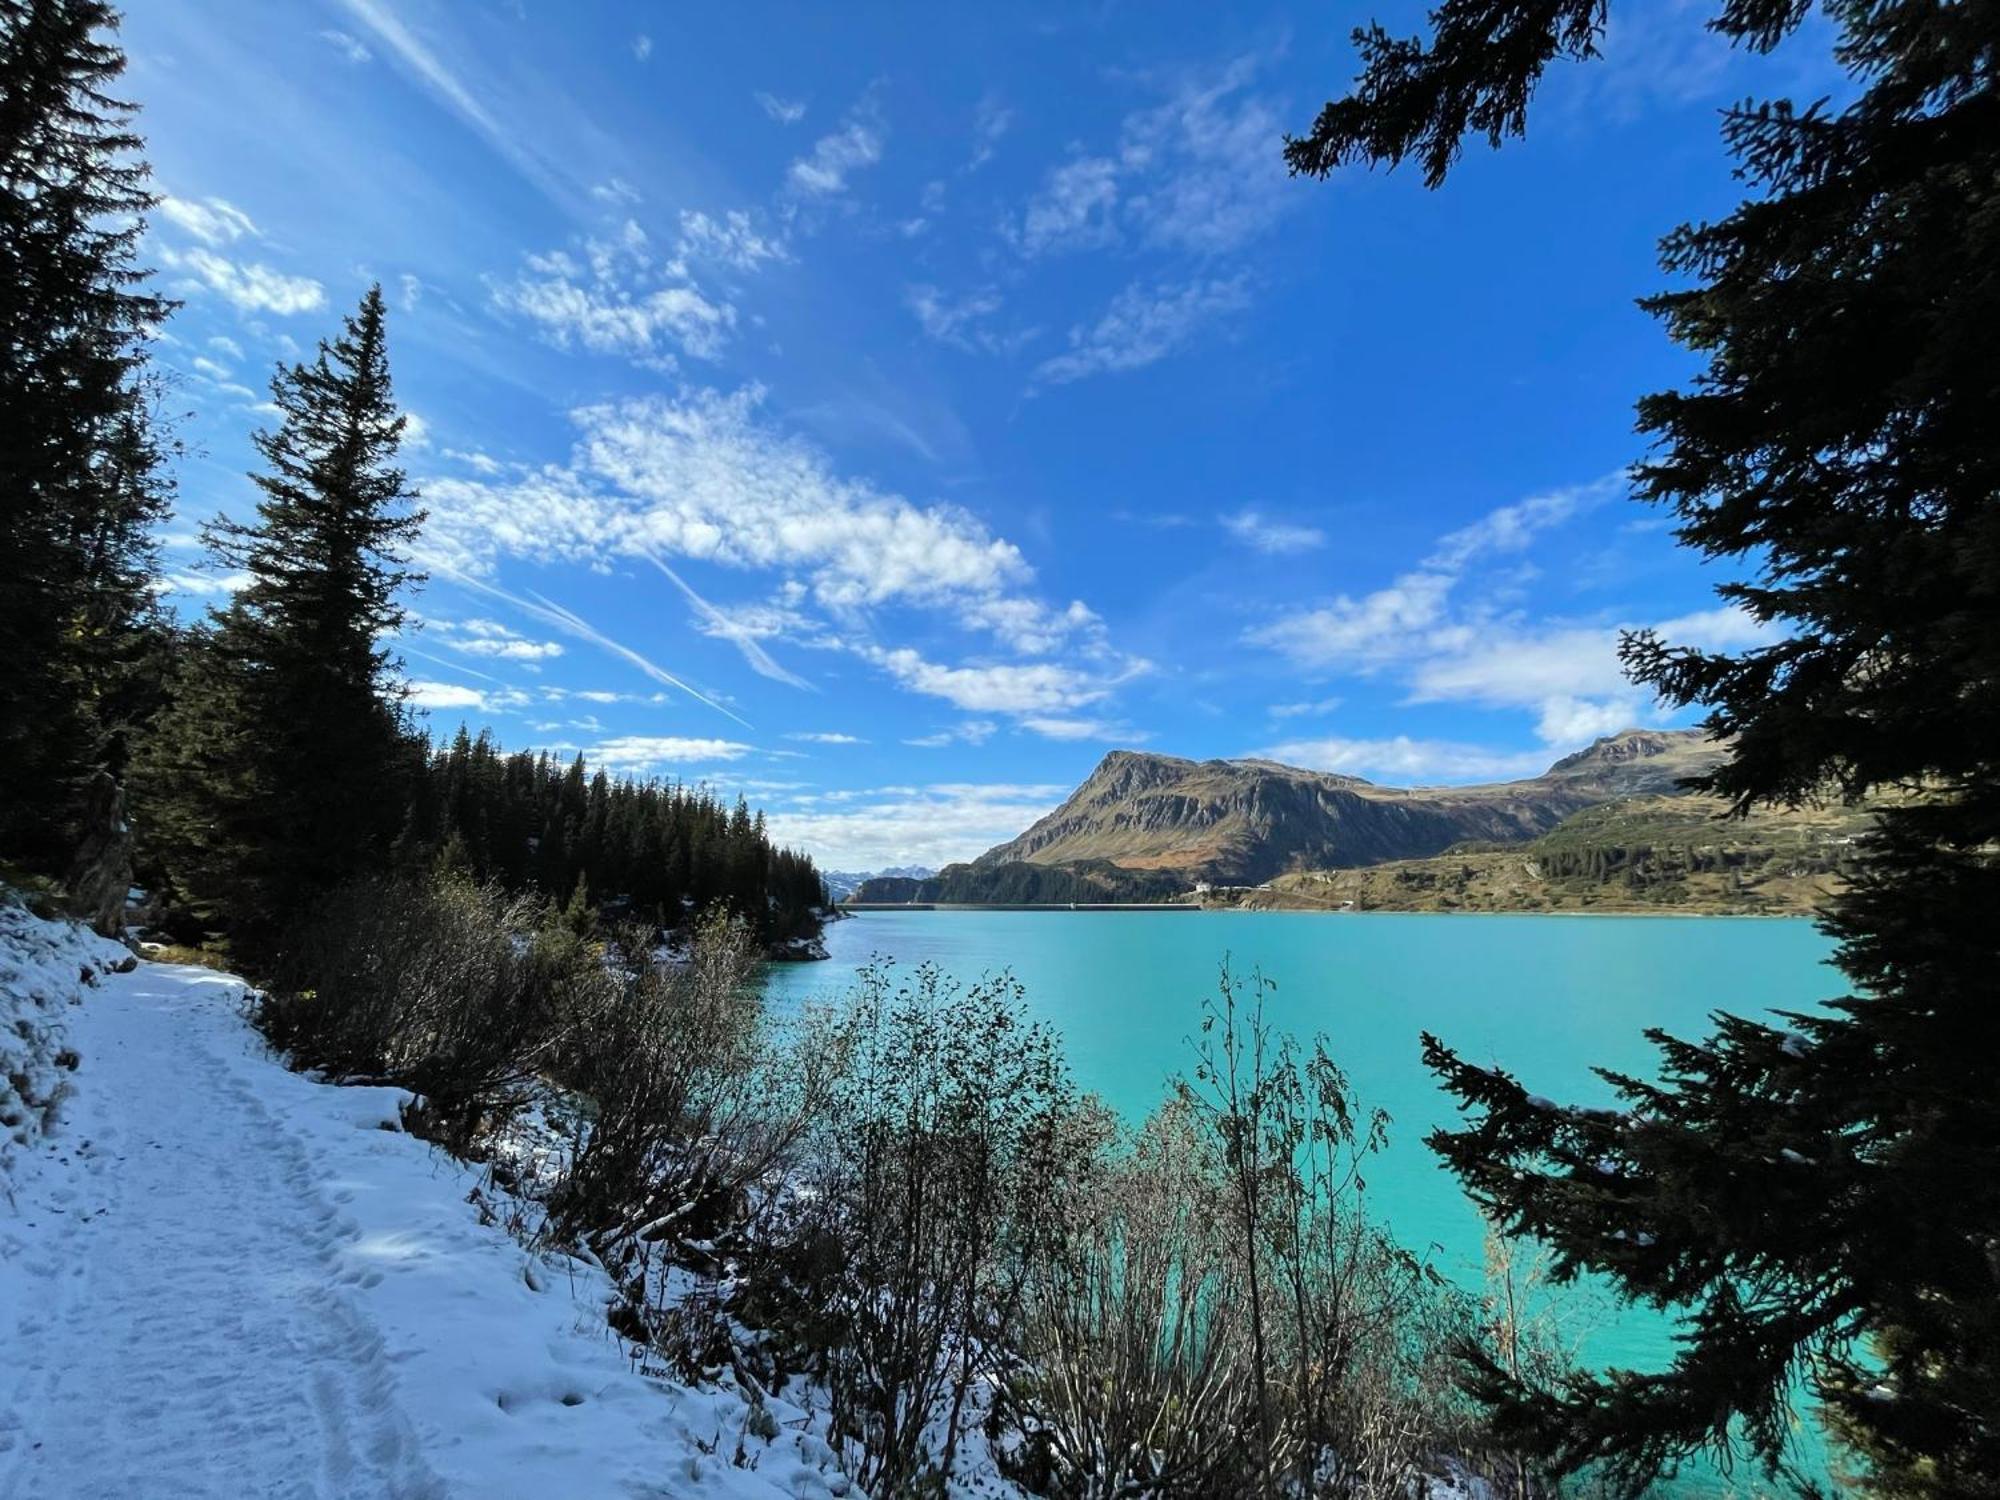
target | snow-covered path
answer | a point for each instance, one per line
(193, 1336)
(220, 1279)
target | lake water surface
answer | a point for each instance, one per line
(1545, 997)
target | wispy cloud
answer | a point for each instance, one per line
(962, 321)
(1109, 730)
(1144, 324)
(1408, 760)
(732, 240)
(249, 286)
(1267, 534)
(213, 221)
(489, 638)
(1201, 171)
(642, 47)
(347, 46)
(784, 111)
(823, 172)
(1451, 630)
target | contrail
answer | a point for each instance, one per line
(551, 613)
(761, 661)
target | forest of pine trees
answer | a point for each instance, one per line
(530, 822)
(244, 765)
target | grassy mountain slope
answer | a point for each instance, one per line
(1641, 854)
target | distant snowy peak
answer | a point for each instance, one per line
(842, 884)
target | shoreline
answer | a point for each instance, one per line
(1080, 909)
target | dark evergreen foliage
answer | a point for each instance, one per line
(1823, 1198)
(284, 764)
(80, 481)
(657, 850)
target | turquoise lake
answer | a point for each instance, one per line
(1545, 997)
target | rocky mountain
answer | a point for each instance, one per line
(1241, 822)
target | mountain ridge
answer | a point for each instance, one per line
(1241, 822)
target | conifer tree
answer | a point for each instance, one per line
(1823, 1196)
(288, 766)
(80, 476)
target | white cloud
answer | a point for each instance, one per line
(446, 695)
(1210, 163)
(1142, 325)
(1075, 209)
(965, 732)
(615, 191)
(702, 477)
(990, 122)
(1411, 616)
(489, 638)
(213, 221)
(251, 287)
(201, 585)
(1050, 728)
(1408, 760)
(618, 299)
(1312, 709)
(653, 753)
(784, 111)
(1007, 687)
(642, 47)
(732, 240)
(1453, 634)
(479, 463)
(347, 46)
(933, 825)
(958, 321)
(823, 172)
(1201, 172)
(825, 737)
(1265, 534)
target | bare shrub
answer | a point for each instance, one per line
(1222, 1317)
(937, 1180)
(694, 1102)
(453, 990)
(1138, 1369)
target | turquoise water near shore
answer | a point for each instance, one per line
(1545, 997)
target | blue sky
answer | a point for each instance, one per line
(885, 410)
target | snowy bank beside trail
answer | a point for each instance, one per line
(220, 1278)
(45, 969)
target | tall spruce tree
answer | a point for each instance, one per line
(1822, 1197)
(286, 765)
(80, 477)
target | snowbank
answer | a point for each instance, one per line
(45, 968)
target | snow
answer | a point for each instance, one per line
(219, 1278)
